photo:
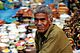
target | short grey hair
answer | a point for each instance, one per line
(43, 9)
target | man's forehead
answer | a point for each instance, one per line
(41, 14)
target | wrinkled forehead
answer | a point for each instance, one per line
(41, 15)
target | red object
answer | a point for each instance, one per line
(1, 22)
(18, 44)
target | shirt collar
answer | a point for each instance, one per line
(47, 32)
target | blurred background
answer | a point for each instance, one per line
(17, 28)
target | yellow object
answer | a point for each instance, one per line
(20, 47)
(10, 0)
(6, 50)
(39, 1)
(1, 2)
(31, 40)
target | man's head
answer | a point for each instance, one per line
(43, 16)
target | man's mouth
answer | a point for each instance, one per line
(40, 28)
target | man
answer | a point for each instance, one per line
(49, 38)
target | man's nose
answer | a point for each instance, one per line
(39, 21)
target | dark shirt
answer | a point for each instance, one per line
(53, 41)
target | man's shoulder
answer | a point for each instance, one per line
(56, 31)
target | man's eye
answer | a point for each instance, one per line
(35, 18)
(42, 19)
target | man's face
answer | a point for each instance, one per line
(42, 22)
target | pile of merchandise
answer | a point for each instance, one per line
(14, 38)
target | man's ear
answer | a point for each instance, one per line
(49, 19)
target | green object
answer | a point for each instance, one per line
(53, 41)
(1, 5)
(11, 6)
